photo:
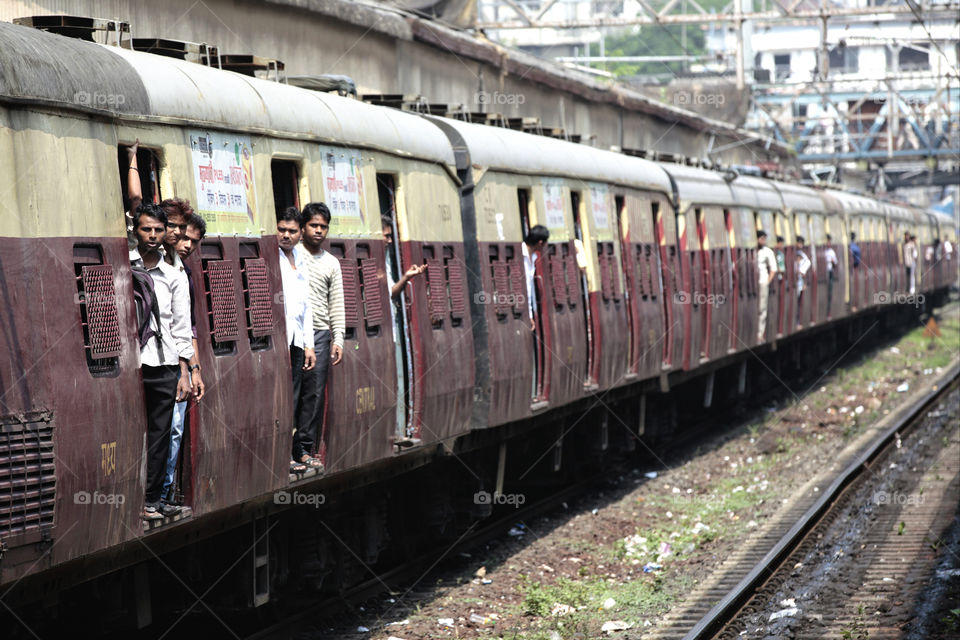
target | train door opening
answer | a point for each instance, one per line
(535, 306)
(731, 276)
(147, 179)
(286, 185)
(575, 200)
(628, 259)
(701, 281)
(667, 277)
(399, 307)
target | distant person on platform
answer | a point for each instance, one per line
(329, 322)
(766, 271)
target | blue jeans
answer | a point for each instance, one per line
(176, 435)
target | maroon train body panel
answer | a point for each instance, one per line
(362, 389)
(562, 301)
(442, 343)
(510, 343)
(239, 448)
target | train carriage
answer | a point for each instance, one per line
(650, 273)
(582, 339)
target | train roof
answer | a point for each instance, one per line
(39, 67)
(702, 186)
(517, 152)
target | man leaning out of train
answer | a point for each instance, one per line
(185, 231)
(329, 322)
(299, 317)
(165, 345)
(767, 271)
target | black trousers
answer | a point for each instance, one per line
(304, 402)
(305, 437)
(160, 392)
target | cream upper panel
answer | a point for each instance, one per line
(60, 177)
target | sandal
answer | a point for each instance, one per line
(297, 468)
(311, 462)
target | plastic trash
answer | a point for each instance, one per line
(903, 387)
(362, 629)
(650, 567)
(560, 610)
(445, 622)
(476, 618)
(516, 530)
(486, 581)
(615, 625)
(609, 603)
(784, 613)
(651, 474)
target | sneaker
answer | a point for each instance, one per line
(168, 510)
(150, 512)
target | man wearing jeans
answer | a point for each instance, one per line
(326, 301)
(192, 229)
(170, 346)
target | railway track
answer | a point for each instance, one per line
(749, 582)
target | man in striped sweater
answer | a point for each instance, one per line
(326, 302)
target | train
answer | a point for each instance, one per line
(649, 279)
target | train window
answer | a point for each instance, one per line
(148, 169)
(370, 291)
(437, 297)
(97, 303)
(457, 288)
(351, 289)
(256, 296)
(286, 185)
(220, 292)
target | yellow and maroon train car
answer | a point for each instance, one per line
(649, 277)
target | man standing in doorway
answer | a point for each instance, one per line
(910, 255)
(767, 271)
(299, 319)
(803, 265)
(329, 324)
(532, 246)
(164, 350)
(830, 257)
(397, 283)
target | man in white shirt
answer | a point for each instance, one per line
(532, 246)
(299, 317)
(803, 265)
(162, 353)
(767, 271)
(830, 257)
(910, 255)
